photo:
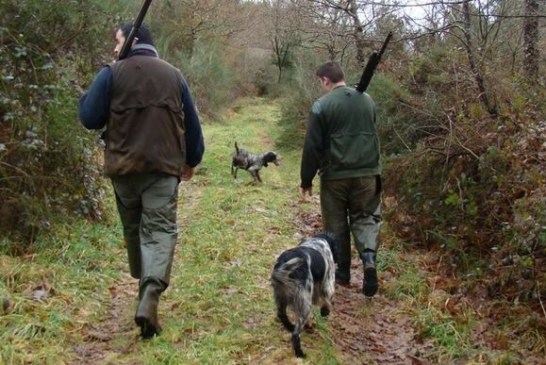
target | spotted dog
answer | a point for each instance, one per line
(252, 162)
(303, 276)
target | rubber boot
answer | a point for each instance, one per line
(146, 314)
(369, 284)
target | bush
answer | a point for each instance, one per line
(297, 94)
(213, 83)
(47, 160)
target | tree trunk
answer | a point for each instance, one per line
(280, 48)
(357, 32)
(530, 37)
(483, 96)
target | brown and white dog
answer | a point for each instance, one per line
(252, 162)
(303, 276)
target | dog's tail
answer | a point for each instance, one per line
(283, 272)
(233, 167)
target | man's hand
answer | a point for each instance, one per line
(306, 191)
(188, 173)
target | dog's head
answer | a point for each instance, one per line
(331, 239)
(272, 157)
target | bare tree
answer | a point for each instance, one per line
(530, 36)
(189, 21)
(283, 33)
(471, 53)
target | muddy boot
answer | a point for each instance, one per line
(369, 284)
(146, 314)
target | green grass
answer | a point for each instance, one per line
(73, 302)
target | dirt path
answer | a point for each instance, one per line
(371, 331)
(116, 333)
(366, 330)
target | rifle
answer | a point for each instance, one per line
(373, 61)
(134, 30)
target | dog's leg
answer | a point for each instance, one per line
(283, 317)
(258, 175)
(255, 176)
(302, 308)
(328, 289)
(326, 308)
(281, 301)
(296, 344)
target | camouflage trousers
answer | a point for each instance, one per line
(352, 206)
(147, 206)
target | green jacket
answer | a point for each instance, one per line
(341, 140)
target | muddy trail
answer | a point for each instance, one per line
(364, 330)
(109, 336)
(367, 330)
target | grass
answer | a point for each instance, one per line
(72, 301)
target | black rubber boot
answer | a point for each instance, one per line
(369, 284)
(146, 314)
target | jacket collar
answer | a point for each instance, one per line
(143, 49)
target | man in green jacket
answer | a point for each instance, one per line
(153, 141)
(342, 145)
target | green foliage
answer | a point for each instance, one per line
(213, 82)
(477, 193)
(297, 96)
(400, 125)
(445, 332)
(46, 154)
(50, 51)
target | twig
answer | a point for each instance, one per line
(402, 140)
(15, 168)
(540, 300)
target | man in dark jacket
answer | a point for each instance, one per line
(153, 140)
(341, 143)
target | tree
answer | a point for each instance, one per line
(284, 36)
(530, 36)
(483, 95)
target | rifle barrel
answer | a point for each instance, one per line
(372, 64)
(134, 30)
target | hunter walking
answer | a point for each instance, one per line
(153, 141)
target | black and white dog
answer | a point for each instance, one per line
(252, 162)
(303, 276)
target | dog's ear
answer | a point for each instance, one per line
(269, 157)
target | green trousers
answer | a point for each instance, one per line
(147, 205)
(352, 205)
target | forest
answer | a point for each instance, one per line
(460, 96)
